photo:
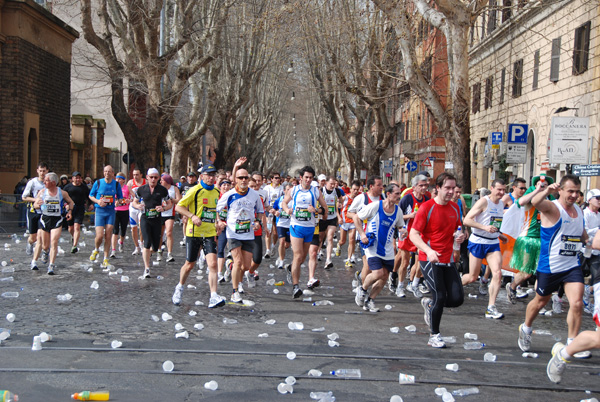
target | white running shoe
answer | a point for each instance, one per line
(216, 301)
(177, 295)
(136, 251)
(236, 297)
(436, 341)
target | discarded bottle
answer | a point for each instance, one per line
(587, 253)
(471, 336)
(347, 373)
(406, 378)
(474, 345)
(449, 339)
(323, 303)
(7, 396)
(314, 373)
(91, 396)
(530, 354)
(280, 283)
(10, 294)
(411, 328)
(456, 245)
(465, 391)
(7, 279)
(322, 396)
(447, 397)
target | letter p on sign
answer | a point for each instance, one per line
(517, 133)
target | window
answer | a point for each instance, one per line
(489, 91)
(476, 97)
(506, 10)
(555, 60)
(502, 85)
(517, 87)
(483, 25)
(492, 17)
(581, 49)
(536, 69)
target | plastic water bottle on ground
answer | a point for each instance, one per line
(7, 396)
(465, 391)
(322, 396)
(347, 373)
(530, 354)
(474, 345)
(471, 336)
(10, 294)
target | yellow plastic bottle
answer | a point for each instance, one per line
(7, 396)
(91, 396)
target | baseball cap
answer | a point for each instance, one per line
(64, 176)
(591, 194)
(208, 169)
(76, 173)
(322, 177)
(424, 173)
(192, 174)
(152, 171)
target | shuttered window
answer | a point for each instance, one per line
(536, 69)
(555, 60)
(581, 49)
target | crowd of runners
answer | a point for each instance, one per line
(423, 241)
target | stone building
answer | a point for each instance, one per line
(35, 76)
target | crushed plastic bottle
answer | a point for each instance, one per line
(411, 328)
(449, 339)
(8, 270)
(439, 391)
(10, 294)
(333, 344)
(116, 344)
(64, 298)
(489, 357)
(166, 316)
(530, 354)
(7, 279)
(295, 326)
(465, 391)
(406, 378)
(333, 336)
(542, 332)
(346, 373)
(94, 285)
(183, 334)
(270, 282)
(475, 345)
(192, 313)
(229, 321)
(447, 397)
(320, 329)
(472, 296)
(395, 330)
(270, 322)
(471, 336)
(199, 326)
(323, 303)
(315, 373)
(322, 396)
(263, 335)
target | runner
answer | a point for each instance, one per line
(168, 216)
(134, 213)
(303, 211)
(222, 239)
(50, 202)
(485, 219)
(409, 205)
(79, 193)
(519, 187)
(151, 199)
(242, 205)
(329, 225)
(199, 206)
(105, 194)
(433, 233)
(121, 217)
(348, 230)
(192, 180)
(33, 187)
(562, 235)
(282, 224)
(274, 191)
(382, 218)
(257, 255)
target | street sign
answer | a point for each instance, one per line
(569, 140)
(411, 166)
(131, 158)
(516, 153)
(496, 139)
(517, 133)
(586, 170)
(448, 165)
(426, 162)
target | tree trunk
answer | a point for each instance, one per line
(179, 157)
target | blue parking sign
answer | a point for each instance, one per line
(517, 133)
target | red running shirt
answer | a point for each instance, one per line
(437, 224)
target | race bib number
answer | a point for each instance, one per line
(570, 245)
(496, 221)
(302, 214)
(283, 215)
(52, 207)
(152, 213)
(242, 226)
(223, 214)
(330, 209)
(208, 215)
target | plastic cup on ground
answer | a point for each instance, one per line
(290, 380)
(452, 367)
(45, 337)
(489, 357)
(212, 385)
(37, 343)
(116, 344)
(10, 317)
(168, 366)
(291, 355)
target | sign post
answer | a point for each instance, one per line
(516, 151)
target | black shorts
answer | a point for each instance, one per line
(121, 221)
(549, 283)
(246, 245)
(77, 215)
(193, 245)
(151, 232)
(47, 223)
(324, 223)
(33, 222)
(316, 239)
(166, 218)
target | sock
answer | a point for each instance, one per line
(569, 340)
(363, 289)
(483, 280)
(180, 286)
(491, 305)
(213, 294)
(565, 355)
(527, 329)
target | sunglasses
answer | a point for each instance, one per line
(276, 178)
(242, 177)
(597, 197)
(154, 177)
(522, 188)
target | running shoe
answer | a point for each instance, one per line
(586, 354)
(556, 365)
(357, 277)
(146, 274)
(436, 341)
(347, 264)
(216, 301)
(423, 288)
(105, 263)
(338, 251)
(34, 266)
(228, 266)
(313, 283)
(221, 278)
(556, 304)
(524, 340)
(44, 256)
(352, 259)
(288, 269)
(74, 250)
(136, 251)
(426, 303)
(51, 269)
(280, 264)
(178, 294)
(416, 291)
(370, 306)
(236, 297)
(250, 279)
(267, 254)
(170, 258)
(319, 255)
(159, 255)
(29, 249)
(120, 246)
(511, 294)
(361, 296)
(400, 291)
(483, 288)
(521, 294)
(328, 264)
(297, 292)
(240, 288)
(113, 253)
(393, 282)
(492, 312)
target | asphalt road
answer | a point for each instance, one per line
(249, 367)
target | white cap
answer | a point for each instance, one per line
(322, 177)
(591, 194)
(152, 171)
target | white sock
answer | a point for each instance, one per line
(527, 329)
(213, 294)
(565, 355)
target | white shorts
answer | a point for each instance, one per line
(348, 226)
(134, 216)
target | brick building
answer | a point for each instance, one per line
(35, 76)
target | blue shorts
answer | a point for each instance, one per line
(549, 283)
(481, 250)
(283, 232)
(376, 263)
(302, 232)
(105, 217)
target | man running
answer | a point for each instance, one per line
(151, 199)
(105, 194)
(329, 224)
(485, 219)
(274, 191)
(562, 234)
(134, 213)
(519, 187)
(382, 218)
(348, 230)
(242, 204)
(33, 187)
(79, 193)
(283, 226)
(199, 206)
(192, 180)
(303, 211)
(433, 233)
